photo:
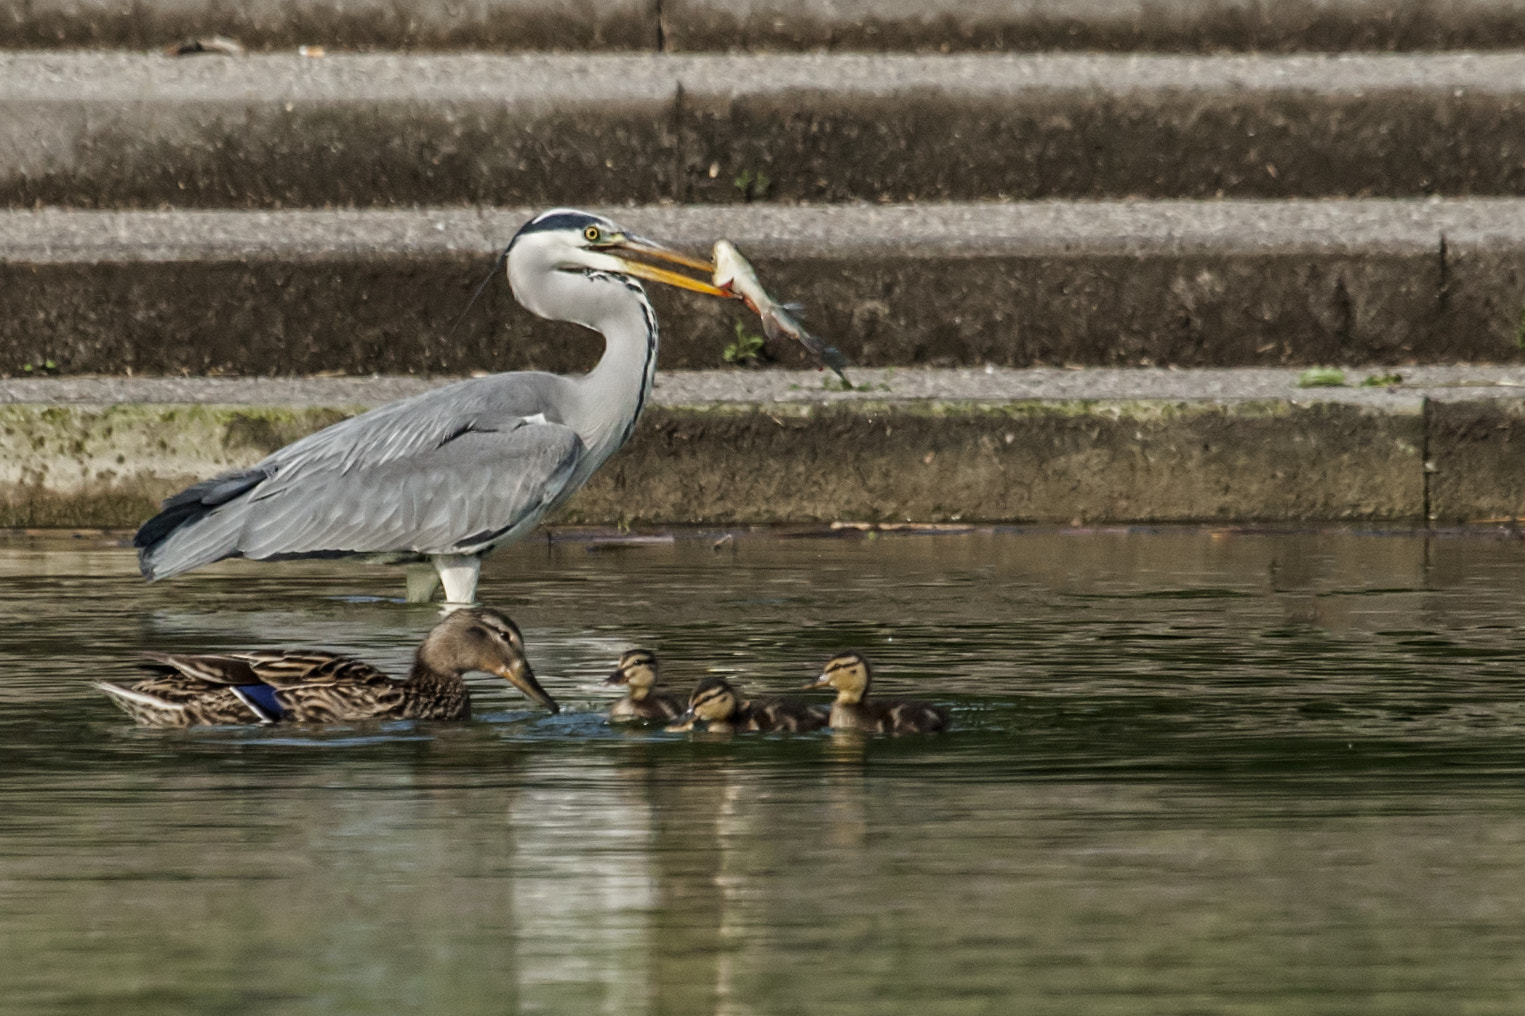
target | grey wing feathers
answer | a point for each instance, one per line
(455, 497)
(448, 471)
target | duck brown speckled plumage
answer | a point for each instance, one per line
(312, 686)
(716, 704)
(850, 674)
(638, 670)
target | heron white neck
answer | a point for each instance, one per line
(615, 391)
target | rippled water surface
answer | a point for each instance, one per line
(1193, 772)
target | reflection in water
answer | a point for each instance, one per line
(1193, 771)
(583, 892)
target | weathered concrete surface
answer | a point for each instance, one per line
(1024, 25)
(287, 24)
(1477, 455)
(695, 25)
(124, 130)
(1178, 283)
(803, 454)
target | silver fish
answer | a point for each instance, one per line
(734, 274)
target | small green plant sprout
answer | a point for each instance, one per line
(752, 186)
(45, 367)
(837, 384)
(1382, 381)
(1321, 377)
(747, 350)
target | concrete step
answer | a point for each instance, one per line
(1108, 283)
(265, 131)
(1443, 445)
(696, 25)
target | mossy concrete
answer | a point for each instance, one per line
(929, 461)
(1477, 458)
(111, 465)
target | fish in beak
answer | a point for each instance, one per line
(628, 248)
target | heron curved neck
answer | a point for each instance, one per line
(613, 393)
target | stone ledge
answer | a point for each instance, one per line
(693, 25)
(1196, 284)
(275, 130)
(1197, 451)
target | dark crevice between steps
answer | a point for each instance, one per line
(681, 192)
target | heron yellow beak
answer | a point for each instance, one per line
(655, 273)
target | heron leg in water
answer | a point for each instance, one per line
(423, 580)
(459, 574)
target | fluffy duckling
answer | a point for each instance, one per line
(306, 686)
(716, 703)
(638, 669)
(850, 675)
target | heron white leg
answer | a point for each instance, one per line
(459, 574)
(423, 580)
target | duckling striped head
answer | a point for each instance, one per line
(637, 668)
(849, 673)
(714, 700)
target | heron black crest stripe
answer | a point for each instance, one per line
(561, 218)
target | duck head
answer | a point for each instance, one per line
(482, 639)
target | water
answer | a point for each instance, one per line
(1194, 772)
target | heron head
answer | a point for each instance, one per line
(848, 673)
(713, 700)
(565, 241)
(636, 668)
(486, 640)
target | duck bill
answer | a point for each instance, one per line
(655, 252)
(618, 677)
(520, 676)
(824, 681)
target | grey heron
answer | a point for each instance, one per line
(449, 475)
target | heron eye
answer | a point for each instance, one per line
(592, 234)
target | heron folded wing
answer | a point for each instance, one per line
(458, 495)
(389, 466)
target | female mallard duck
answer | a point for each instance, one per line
(850, 674)
(716, 703)
(638, 669)
(302, 686)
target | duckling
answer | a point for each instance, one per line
(638, 669)
(312, 686)
(850, 675)
(716, 703)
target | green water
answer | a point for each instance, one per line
(1193, 772)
